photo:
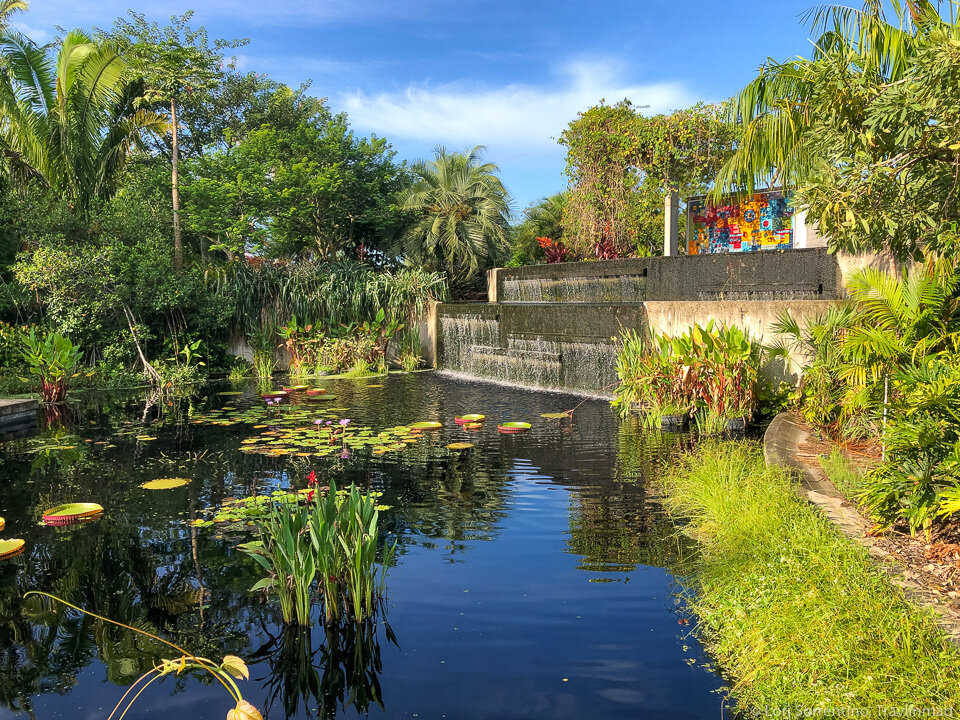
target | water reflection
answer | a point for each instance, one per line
(538, 516)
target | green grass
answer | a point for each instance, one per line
(843, 473)
(795, 613)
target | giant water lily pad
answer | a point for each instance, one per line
(11, 548)
(71, 512)
(509, 428)
(558, 416)
(468, 419)
(460, 446)
(426, 425)
(165, 483)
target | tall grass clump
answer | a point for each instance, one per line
(793, 611)
(328, 543)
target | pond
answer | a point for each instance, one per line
(533, 575)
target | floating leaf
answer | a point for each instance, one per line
(165, 483)
(467, 419)
(557, 416)
(71, 512)
(3, 523)
(508, 428)
(426, 425)
(10, 548)
(460, 446)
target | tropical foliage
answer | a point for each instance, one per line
(460, 213)
(622, 162)
(865, 129)
(713, 369)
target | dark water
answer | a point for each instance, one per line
(533, 577)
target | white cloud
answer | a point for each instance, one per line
(36, 34)
(521, 117)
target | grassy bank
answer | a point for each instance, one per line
(794, 612)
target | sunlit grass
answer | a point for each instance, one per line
(794, 612)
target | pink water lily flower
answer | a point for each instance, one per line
(344, 422)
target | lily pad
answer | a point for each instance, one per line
(10, 548)
(557, 416)
(71, 512)
(313, 392)
(460, 446)
(3, 523)
(426, 425)
(165, 483)
(473, 426)
(509, 428)
(295, 388)
(467, 419)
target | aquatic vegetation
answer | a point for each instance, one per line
(71, 512)
(51, 359)
(10, 548)
(165, 483)
(426, 425)
(509, 428)
(331, 538)
(460, 446)
(468, 419)
(225, 672)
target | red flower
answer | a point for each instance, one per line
(312, 478)
(544, 242)
(310, 496)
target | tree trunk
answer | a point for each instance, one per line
(175, 181)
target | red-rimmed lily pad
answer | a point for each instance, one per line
(275, 394)
(165, 483)
(510, 428)
(313, 392)
(474, 427)
(468, 419)
(71, 512)
(296, 388)
(3, 523)
(10, 548)
(426, 425)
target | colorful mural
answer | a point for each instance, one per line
(762, 222)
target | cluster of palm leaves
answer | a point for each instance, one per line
(68, 115)
(882, 364)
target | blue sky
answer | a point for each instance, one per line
(508, 75)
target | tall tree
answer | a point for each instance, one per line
(865, 130)
(173, 61)
(461, 214)
(621, 162)
(9, 7)
(68, 120)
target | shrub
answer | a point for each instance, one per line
(52, 360)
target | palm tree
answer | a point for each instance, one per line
(778, 108)
(70, 120)
(9, 7)
(461, 210)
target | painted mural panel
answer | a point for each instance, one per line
(764, 221)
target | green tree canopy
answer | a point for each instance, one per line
(68, 120)
(461, 214)
(866, 129)
(312, 190)
(620, 163)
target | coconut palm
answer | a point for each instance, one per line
(461, 210)
(9, 7)
(855, 49)
(69, 120)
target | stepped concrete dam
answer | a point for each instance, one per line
(556, 326)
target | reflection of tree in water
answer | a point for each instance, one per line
(342, 671)
(614, 525)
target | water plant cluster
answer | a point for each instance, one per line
(707, 369)
(331, 538)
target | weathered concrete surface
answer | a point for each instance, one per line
(16, 413)
(810, 274)
(781, 446)
(755, 317)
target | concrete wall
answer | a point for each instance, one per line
(810, 274)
